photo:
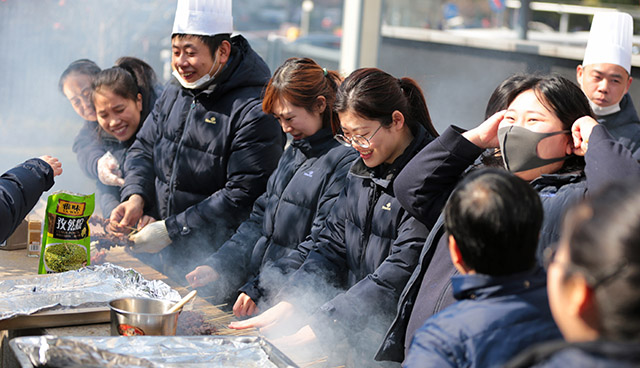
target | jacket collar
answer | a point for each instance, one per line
(557, 180)
(316, 143)
(384, 174)
(480, 286)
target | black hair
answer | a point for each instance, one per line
(495, 218)
(375, 95)
(603, 233)
(212, 42)
(127, 78)
(80, 66)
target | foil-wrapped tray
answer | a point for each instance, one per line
(73, 297)
(148, 351)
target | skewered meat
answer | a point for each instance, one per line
(108, 241)
(192, 323)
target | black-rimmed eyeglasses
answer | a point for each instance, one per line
(361, 141)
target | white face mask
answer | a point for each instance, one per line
(203, 81)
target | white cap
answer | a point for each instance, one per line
(203, 17)
(610, 40)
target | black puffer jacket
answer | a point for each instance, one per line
(624, 125)
(300, 193)
(20, 189)
(208, 154)
(370, 245)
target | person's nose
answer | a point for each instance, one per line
(181, 60)
(603, 86)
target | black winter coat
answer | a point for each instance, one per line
(424, 186)
(370, 246)
(300, 192)
(20, 190)
(624, 125)
(208, 154)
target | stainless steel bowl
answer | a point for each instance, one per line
(141, 316)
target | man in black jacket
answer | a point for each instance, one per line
(206, 150)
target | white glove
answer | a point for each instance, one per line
(109, 171)
(151, 239)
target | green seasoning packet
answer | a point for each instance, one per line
(65, 237)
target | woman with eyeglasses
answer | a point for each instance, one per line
(592, 283)
(310, 175)
(369, 244)
(548, 137)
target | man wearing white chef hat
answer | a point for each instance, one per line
(205, 152)
(605, 76)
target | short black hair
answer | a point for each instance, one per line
(495, 218)
(212, 42)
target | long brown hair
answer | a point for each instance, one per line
(301, 81)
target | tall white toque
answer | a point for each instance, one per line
(610, 40)
(203, 17)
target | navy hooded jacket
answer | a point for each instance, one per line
(204, 156)
(624, 125)
(300, 192)
(20, 190)
(494, 319)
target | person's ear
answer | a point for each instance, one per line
(579, 72)
(628, 84)
(320, 105)
(456, 256)
(225, 51)
(139, 102)
(397, 119)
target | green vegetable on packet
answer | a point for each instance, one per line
(65, 237)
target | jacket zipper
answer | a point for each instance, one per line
(174, 166)
(367, 227)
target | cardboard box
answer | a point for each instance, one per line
(19, 239)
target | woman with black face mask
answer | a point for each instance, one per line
(547, 136)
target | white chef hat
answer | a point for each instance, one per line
(203, 17)
(610, 40)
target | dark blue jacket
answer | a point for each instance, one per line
(624, 125)
(20, 190)
(369, 246)
(425, 184)
(208, 154)
(300, 192)
(494, 319)
(590, 354)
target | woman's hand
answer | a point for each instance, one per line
(54, 163)
(270, 319)
(201, 276)
(126, 215)
(581, 131)
(485, 135)
(244, 306)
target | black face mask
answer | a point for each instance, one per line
(519, 148)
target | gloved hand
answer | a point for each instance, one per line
(109, 171)
(151, 239)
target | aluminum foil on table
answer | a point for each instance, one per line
(91, 286)
(149, 351)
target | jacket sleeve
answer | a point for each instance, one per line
(431, 347)
(607, 159)
(88, 148)
(255, 150)
(20, 190)
(376, 292)
(139, 174)
(442, 162)
(232, 260)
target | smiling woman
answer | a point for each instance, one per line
(123, 97)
